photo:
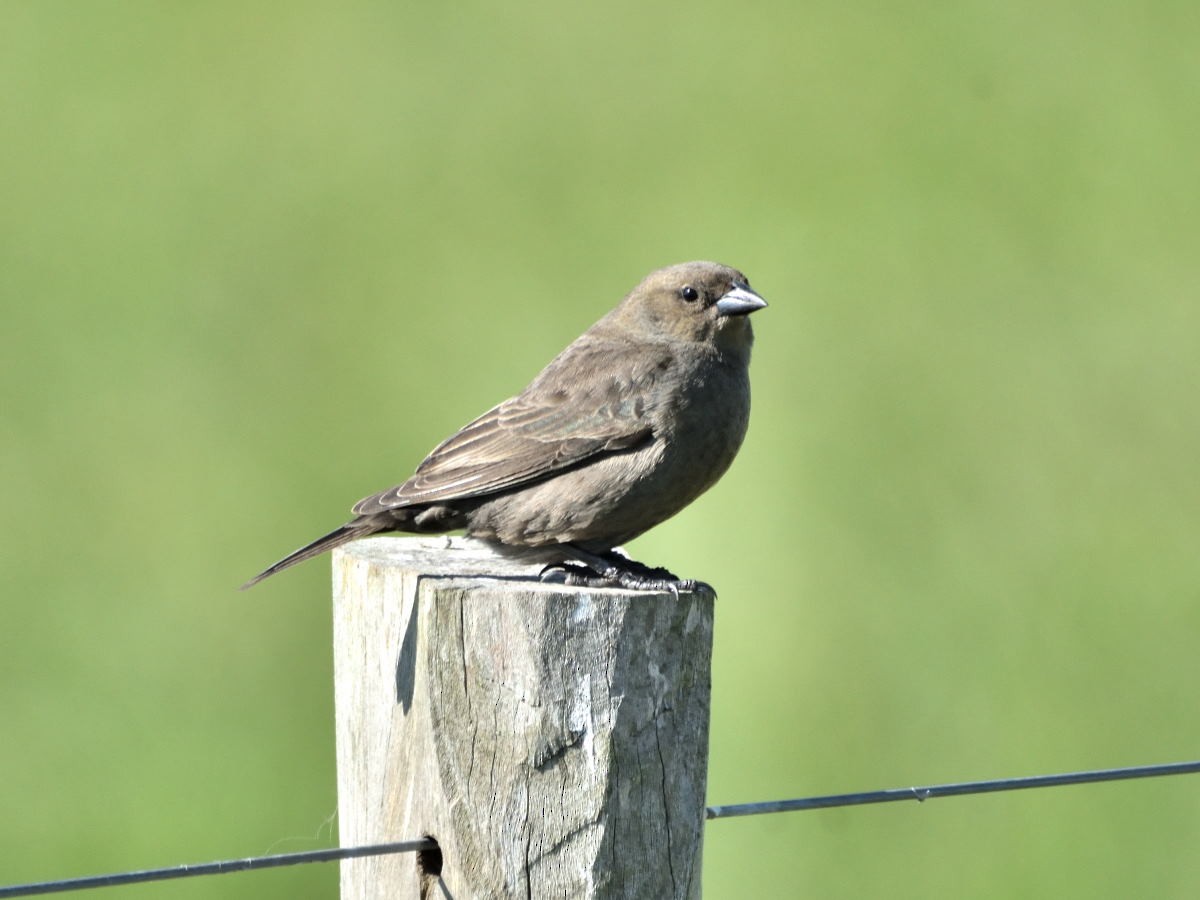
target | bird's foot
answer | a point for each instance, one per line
(611, 569)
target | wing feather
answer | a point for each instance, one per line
(584, 405)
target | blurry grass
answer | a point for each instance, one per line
(255, 262)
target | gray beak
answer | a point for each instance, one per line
(739, 301)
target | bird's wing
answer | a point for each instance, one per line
(582, 406)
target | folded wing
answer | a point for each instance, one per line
(555, 424)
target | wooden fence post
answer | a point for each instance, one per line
(552, 739)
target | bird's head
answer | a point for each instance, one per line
(701, 302)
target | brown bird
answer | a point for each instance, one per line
(628, 425)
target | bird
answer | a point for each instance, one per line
(629, 424)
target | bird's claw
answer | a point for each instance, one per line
(636, 577)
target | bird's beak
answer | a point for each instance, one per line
(739, 301)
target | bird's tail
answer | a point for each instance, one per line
(335, 538)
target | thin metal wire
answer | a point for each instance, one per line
(921, 794)
(220, 867)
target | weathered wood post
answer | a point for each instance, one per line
(552, 739)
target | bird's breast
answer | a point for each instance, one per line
(698, 415)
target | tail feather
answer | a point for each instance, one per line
(335, 538)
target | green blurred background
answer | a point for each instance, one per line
(256, 259)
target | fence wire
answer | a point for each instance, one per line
(221, 867)
(920, 794)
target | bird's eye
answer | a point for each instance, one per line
(689, 293)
